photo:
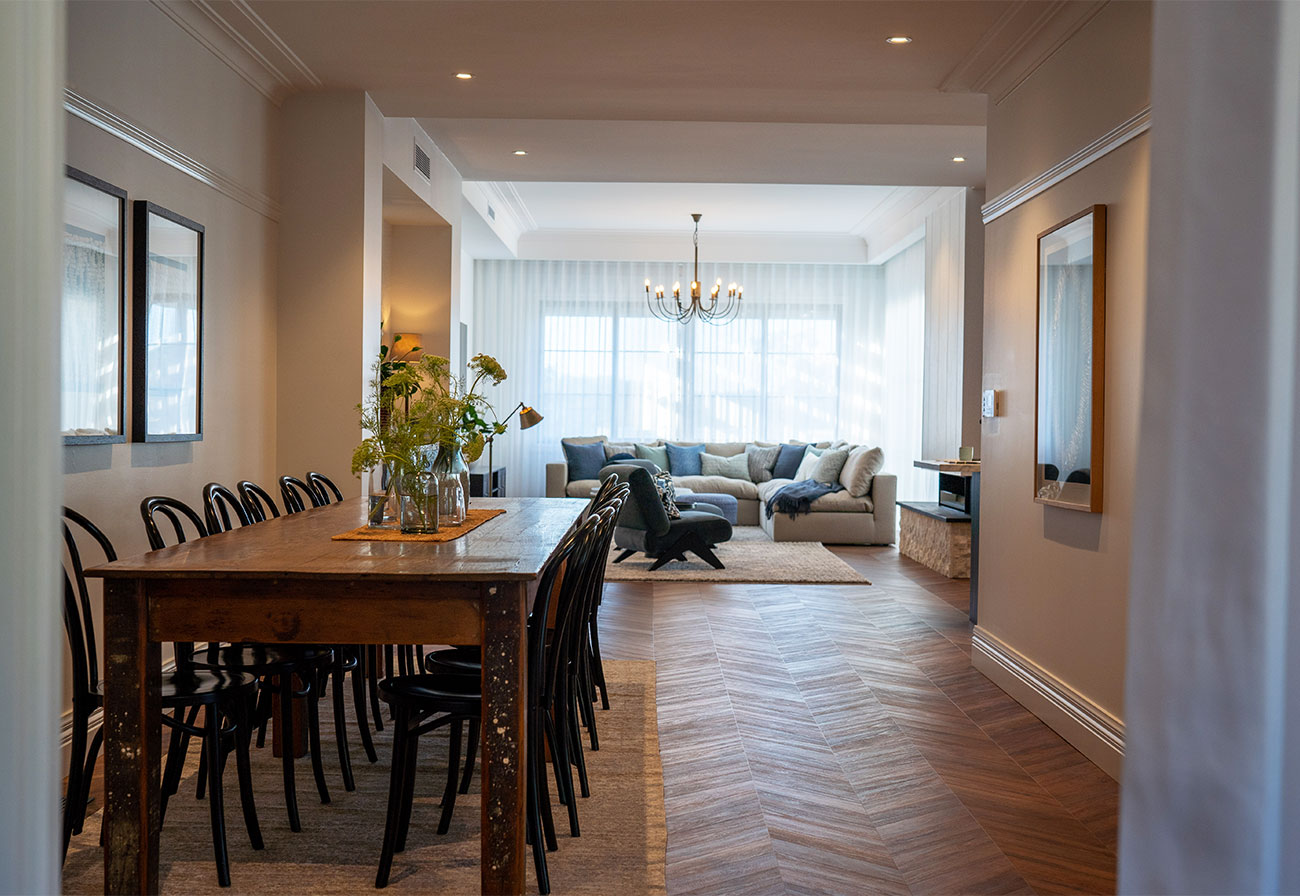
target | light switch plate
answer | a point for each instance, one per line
(992, 403)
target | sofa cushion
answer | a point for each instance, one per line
(585, 460)
(761, 459)
(684, 460)
(787, 461)
(667, 495)
(719, 485)
(734, 467)
(861, 467)
(835, 502)
(615, 448)
(656, 453)
(581, 488)
(829, 465)
(806, 466)
(725, 449)
(841, 502)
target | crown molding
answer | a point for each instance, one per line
(504, 194)
(1107, 143)
(1021, 40)
(246, 45)
(132, 133)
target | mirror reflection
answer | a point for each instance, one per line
(1070, 280)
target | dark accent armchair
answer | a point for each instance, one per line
(644, 526)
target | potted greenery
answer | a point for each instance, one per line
(417, 442)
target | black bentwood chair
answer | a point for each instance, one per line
(275, 666)
(224, 696)
(430, 700)
(360, 660)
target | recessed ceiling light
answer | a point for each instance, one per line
(521, 152)
(464, 76)
(898, 39)
(959, 158)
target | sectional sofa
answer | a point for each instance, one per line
(836, 518)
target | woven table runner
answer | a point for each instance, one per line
(473, 519)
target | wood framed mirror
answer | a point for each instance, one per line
(1071, 383)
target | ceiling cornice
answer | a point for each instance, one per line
(247, 45)
(505, 195)
(1021, 40)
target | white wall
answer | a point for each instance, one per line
(31, 217)
(1053, 598)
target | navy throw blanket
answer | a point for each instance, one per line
(797, 497)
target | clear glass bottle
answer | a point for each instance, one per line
(418, 500)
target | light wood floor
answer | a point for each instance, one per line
(835, 739)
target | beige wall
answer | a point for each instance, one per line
(417, 284)
(130, 58)
(1054, 583)
(330, 279)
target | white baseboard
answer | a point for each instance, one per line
(1092, 730)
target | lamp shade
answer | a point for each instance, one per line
(528, 418)
(408, 346)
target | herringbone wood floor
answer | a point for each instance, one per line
(835, 739)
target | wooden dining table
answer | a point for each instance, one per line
(287, 581)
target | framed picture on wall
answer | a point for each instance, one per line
(91, 334)
(167, 326)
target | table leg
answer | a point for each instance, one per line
(504, 736)
(131, 742)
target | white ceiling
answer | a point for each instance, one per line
(742, 208)
(718, 94)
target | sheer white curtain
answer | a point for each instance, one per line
(808, 357)
(902, 364)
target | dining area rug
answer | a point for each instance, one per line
(621, 850)
(750, 557)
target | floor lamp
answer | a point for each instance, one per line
(527, 418)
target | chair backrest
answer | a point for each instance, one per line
(644, 509)
(222, 509)
(175, 511)
(256, 501)
(298, 495)
(555, 590)
(323, 487)
(570, 614)
(592, 583)
(78, 621)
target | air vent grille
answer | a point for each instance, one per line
(421, 161)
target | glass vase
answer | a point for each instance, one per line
(418, 503)
(381, 489)
(453, 494)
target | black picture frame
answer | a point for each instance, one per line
(84, 228)
(167, 286)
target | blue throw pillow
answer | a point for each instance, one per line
(684, 460)
(584, 461)
(622, 455)
(787, 462)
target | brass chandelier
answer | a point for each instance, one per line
(715, 310)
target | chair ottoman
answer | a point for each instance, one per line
(727, 504)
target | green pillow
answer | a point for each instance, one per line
(656, 453)
(734, 467)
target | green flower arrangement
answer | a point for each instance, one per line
(437, 409)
